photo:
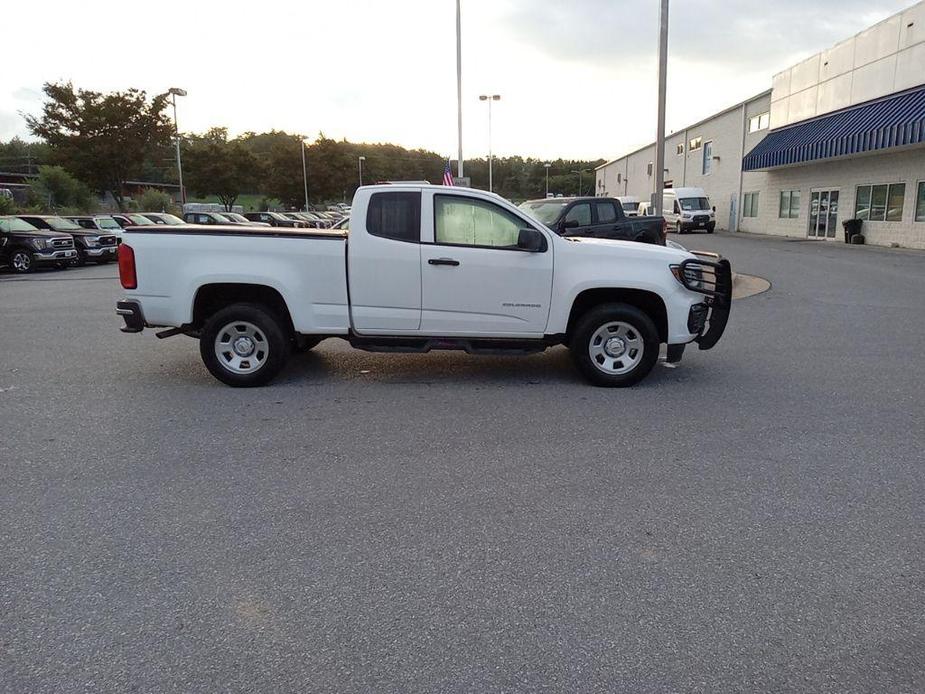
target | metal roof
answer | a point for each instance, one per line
(894, 121)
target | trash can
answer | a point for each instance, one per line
(852, 227)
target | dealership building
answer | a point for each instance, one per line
(839, 135)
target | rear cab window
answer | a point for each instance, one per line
(395, 216)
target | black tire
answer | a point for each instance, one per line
(639, 329)
(305, 343)
(710, 228)
(22, 261)
(81, 258)
(62, 266)
(271, 329)
(679, 229)
(102, 261)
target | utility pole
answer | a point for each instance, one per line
(174, 93)
(304, 174)
(546, 166)
(489, 98)
(459, 161)
(662, 83)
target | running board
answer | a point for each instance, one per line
(470, 346)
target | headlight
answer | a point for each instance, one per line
(685, 216)
(690, 277)
(92, 241)
(38, 244)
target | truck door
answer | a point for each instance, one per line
(577, 221)
(607, 223)
(475, 281)
(384, 264)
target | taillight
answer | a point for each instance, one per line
(127, 267)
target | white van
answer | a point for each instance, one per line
(630, 204)
(686, 209)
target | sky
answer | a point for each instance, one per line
(577, 78)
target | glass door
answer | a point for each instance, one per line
(823, 214)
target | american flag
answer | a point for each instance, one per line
(447, 174)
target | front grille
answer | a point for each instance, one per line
(701, 218)
(107, 240)
(63, 242)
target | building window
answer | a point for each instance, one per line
(694, 144)
(750, 205)
(707, 157)
(789, 204)
(759, 122)
(650, 168)
(880, 203)
(680, 148)
(920, 203)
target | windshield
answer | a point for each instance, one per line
(107, 223)
(140, 219)
(688, 204)
(544, 210)
(235, 217)
(220, 217)
(164, 218)
(15, 224)
(277, 215)
(630, 206)
(62, 224)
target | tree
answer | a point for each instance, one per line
(217, 166)
(102, 138)
(55, 188)
(154, 200)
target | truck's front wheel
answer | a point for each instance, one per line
(615, 345)
(244, 345)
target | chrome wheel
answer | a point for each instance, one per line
(241, 347)
(616, 348)
(21, 261)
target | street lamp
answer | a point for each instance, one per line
(304, 174)
(489, 98)
(360, 161)
(174, 93)
(547, 178)
(579, 172)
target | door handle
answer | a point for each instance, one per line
(443, 261)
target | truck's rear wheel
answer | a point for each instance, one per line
(615, 345)
(244, 345)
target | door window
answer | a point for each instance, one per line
(606, 213)
(461, 221)
(581, 213)
(707, 157)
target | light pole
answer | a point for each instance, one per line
(546, 166)
(304, 174)
(174, 93)
(662, 80)
(459, 162)
(360, 161)
(489, 98)
(579, 172)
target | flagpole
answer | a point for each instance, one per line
(459, 164)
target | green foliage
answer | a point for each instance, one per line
(103, 138)
(153, 200)
(55, 188)
(19, 156)
(216, 166)
(7, 205)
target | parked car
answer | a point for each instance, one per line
(102, 223)
(131, 219)
(90, 244)
(472, 273)
(211, 218)
(275, 219)
(23, 247)
(601, 218)
(630, 204)
(687, 209)
(241, 219)
(162, 218)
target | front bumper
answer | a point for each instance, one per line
(101, 252)
(55, 256)
(132, 315)
(689, 224)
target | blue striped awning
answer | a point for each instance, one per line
(895, 121)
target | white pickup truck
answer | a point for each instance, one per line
(422, 267)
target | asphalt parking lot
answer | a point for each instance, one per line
(750, 521)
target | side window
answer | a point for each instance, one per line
(606, 213)
(462, 221)
(581, 213)
(395, 216)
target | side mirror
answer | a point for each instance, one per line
(569, 224)
(531, 240)
(714, 208)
